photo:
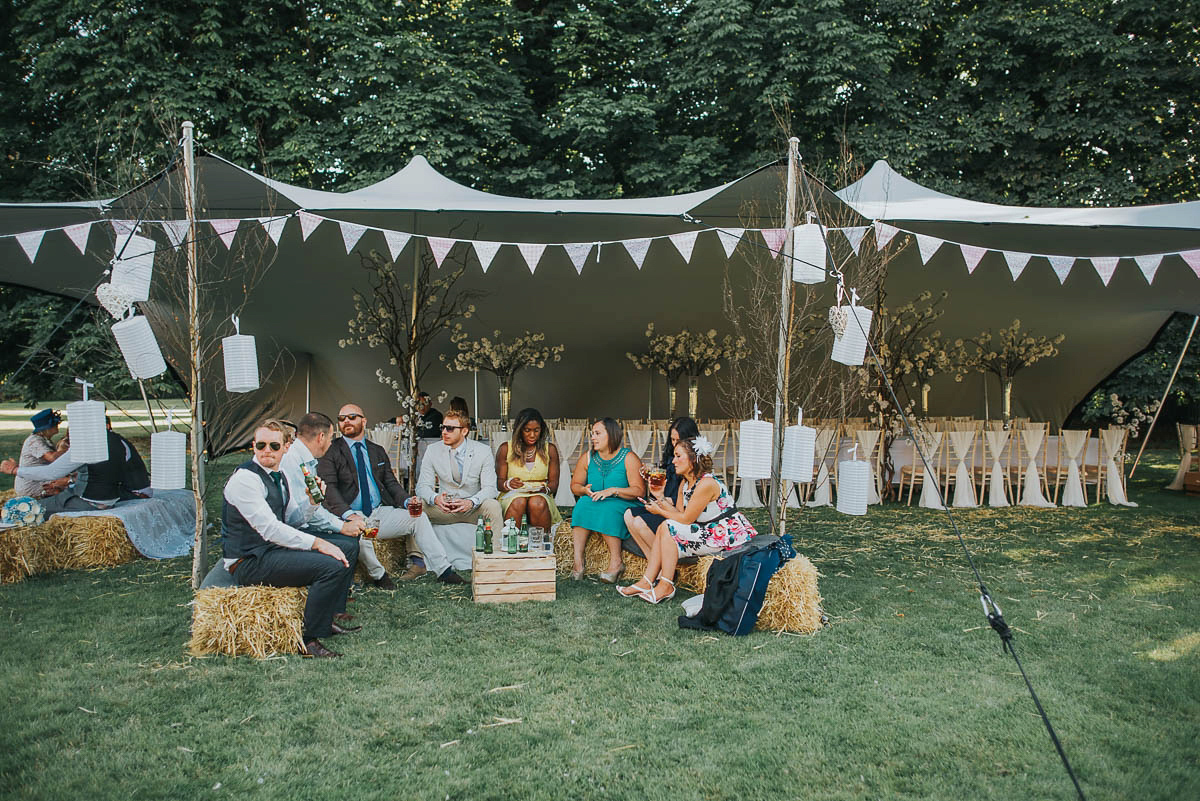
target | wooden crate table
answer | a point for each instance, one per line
(506, 577)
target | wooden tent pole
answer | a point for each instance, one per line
(1166, 392)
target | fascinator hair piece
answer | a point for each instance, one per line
(702, 446)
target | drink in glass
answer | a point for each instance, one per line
(415, 506)
(657, 478)
(371, 528)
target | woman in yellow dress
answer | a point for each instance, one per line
(527, 472)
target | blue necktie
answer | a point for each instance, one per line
(364, 478)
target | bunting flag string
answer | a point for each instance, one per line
(78, 234)
(226, 230)
(396, 240)
(485, 252)
(1192, 257)
(1105, 267)
(578, 254)
(928, 245)
(854, 236)
(774, 237)
(274, 227)
(972, 256)
(730, 237)
(308, 224)
(1016, 262)
(884, 234)
(1149, 265)
(532, 254)
(638, 248)
(685, 243)
(31, 243)
(439, 246)
(176, 230)
(1061, 265)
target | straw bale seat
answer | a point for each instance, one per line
(392, 554)
(253, 621)
(64, 543)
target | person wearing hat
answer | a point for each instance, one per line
(39, 449)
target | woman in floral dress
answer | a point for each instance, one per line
(702, 520)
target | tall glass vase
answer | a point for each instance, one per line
(505, 400)
(671, 391)
(1008, 386)
(693, 395)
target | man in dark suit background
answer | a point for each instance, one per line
(359, 481)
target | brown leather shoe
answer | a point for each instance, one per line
(385, 582)
(314, 649)
(344, 629)
(413, 572)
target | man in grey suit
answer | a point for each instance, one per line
(465, 476)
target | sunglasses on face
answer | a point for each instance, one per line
(344, 417)
(259, 446)
(452, 428)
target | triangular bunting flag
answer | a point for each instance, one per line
(123, 228)
(1016, 262)
(226, 229)
(1105, 267)
(396, 240)
(685, 243)
(1062, 266)
(884, 234)
(274, 227)
(532, 253)
(486, 251)
(308, 224)
(972, 256)
(578, 253)
(774, 238)
(854, 236)
(1149, 265)
(351, 233)
(729, 239)
(78, 234)
(30, 242)
(176, 231)
(439, 246)
(928, 245)
(1192, 257)
(638, 248)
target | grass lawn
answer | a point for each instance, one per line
(905, 695)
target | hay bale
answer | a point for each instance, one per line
(7, 495)
(792, 602)
(392, 554)
(595, 559)
(14, 555)
(92, 541)
(257, 621)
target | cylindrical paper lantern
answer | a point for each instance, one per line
(851, 347)
(853, 480)
(241, 363)
(799, 453)
(808, 254)
(168, 460)
(139, 347)
(89, 434)
(754, 449)
(134, 270)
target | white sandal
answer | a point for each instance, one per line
(637, 591)
(650, 598)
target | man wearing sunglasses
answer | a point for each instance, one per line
(261, 549)
(465, 477)
(359, 482)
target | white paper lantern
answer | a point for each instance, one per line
(89, 434)
(241, 363)
(799, 453)
(808, 254)
(851, 346)
(133, 272)
(139, 347)
(854, 478)
(168, 460)
(754, 449)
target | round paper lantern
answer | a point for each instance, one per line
(850, 347)
(854, 478)
(799, 453)
(139, 347)
(134, 270)
(241, 363)
(89, 434)
(754, 449)
(168, 460)
(808, 254)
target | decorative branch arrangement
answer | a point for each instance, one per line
(1003, 355)
(504, 359)
(687, 353)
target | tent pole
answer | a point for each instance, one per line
(1166, 392)
(476, 406)
(778, 507)
(649, 396)
(308, 385)
(199, 555)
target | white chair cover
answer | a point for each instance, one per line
(996, 441)
(1031, 493)
(792, 494)
(748, 495)
(964, 482)
(930, 442)
(822, 496)
(566, 440)
(1187, 444)
(1073, 443)
(1111, 440)
(867, 440)
(638, 440)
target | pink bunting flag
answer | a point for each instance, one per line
(396, 241)
(123, 228)
(884, 234)
(78, 234)
(730, 237)
(928, 245)
(351, 233)
(972, 255)
(308, 224)
(31, 242)
(854, 236)
(578, 252)
(176, 231)
(638, 248)
(1105, 267)
(774, 238)
(685, 243)
(1192, 257)
(226, 230)
(274, 227)
(439, 246)
(532, 253)
(1149, 265)
(1016, 262)
(486, 251)
(1062, 266)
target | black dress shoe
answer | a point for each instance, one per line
(344, 629)
(314, 648)
(385, 582)
(450, 577)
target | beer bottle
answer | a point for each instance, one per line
(479, 535)
(310, 483)
(487, 538)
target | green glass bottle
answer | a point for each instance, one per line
(479, 535)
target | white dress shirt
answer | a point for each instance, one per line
(301, 511)
(246, 492)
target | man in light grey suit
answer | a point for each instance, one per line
(465, 477)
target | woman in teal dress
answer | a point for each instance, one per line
(607, 481)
